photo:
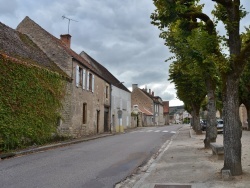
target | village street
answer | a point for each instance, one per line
(96, 163)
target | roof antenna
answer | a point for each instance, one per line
(64, 17)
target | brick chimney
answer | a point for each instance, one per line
(149, 91)
(153, 93)
(66, 38)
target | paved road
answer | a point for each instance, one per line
(97, 163)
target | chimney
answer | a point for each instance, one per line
(149, 91)
(66, 39)
(134, 86)
(153, 93)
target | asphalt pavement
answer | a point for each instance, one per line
(99, 163)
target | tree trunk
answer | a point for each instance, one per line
(196, 119)
(232, 127)
(211, 129)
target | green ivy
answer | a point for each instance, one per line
(30, 100)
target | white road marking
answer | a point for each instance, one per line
(157, 131)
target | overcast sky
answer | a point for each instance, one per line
(116, 33)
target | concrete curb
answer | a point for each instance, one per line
(51, 146)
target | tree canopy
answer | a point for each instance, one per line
(173, 17)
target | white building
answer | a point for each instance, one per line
(120, 109)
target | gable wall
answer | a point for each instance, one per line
(141, 99)
(48, 44)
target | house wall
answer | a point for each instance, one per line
(96, 102)
(243, 116)
(161, 117)
(147, 120)
(121, 103)
(72, 109)
(166, 118)
(141, 99)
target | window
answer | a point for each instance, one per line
(90, 82)
(84, 113)
(84, 79)
(80, 76)
(107, 92)
(77, 75)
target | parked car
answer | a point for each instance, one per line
(220, 125)
(203, 124)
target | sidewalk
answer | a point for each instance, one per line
(186, 163)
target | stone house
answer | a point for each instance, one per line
(120, 97)
(86, 107)
(20, 48)
(31, 87)
(149, 105)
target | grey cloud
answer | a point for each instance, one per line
(116, 33)
(8, 7)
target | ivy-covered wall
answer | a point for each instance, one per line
(30, 98)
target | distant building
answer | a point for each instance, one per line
(176, 114)
(166, 112)
(149, 105)
(243, 116)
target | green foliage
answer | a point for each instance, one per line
(29, 103)
(189, 83)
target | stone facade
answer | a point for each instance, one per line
(120, 97)
(149, 105)
(86, 107)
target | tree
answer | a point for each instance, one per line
(229, 12)
(182, 38)
(190, 88)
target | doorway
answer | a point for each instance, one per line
(106, 118)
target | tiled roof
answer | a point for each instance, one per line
(154, 98)
(19, 46)
(27, 22)
(104, 72)
(145, 111)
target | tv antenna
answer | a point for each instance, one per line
(69, 19)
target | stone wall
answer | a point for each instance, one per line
(71, 122)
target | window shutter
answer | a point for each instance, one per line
(88, 82)
(93, 83)
(77, 75)
(83, 78)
